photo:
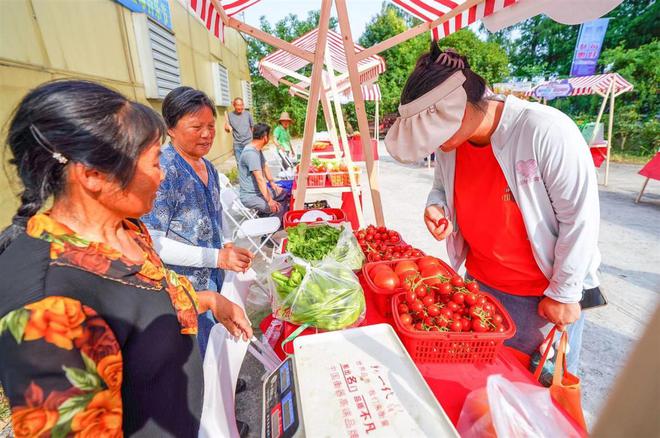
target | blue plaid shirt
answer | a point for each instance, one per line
(188, 211)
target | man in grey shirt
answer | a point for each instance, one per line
(239, 123)
(254, 174)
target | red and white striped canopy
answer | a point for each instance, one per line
(595, 84)
(370, 92)
(430, 10)
(205, 11)
(278, 64)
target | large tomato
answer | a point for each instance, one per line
(387, 280)
(405, 266)
(378, 268)
(426, 261)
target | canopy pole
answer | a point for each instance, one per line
(352, 63)
(344, 140)
(413, 31)
(330, 123)
(261, 35)
(609, 137)
(600, 114)
(376, 122)
(313, 104)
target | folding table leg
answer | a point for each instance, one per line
(641, 192)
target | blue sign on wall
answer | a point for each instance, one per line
(159, 10)
(587, 49)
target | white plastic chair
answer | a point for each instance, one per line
(223, 180)
(248, 228)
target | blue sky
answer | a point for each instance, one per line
(360, 11)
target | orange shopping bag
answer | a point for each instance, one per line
(565, 388)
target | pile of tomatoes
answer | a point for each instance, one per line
(379, 243)
(434, 299)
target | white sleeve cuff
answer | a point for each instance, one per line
(176, 253)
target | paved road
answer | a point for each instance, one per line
(629, 242)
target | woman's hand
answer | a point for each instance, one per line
(438, 225)
(231, 315)
(234, 258)
(560, 314)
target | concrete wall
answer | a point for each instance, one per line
(41, 40)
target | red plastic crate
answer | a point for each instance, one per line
(292, 217)
(316, 179)
(453, 347)
(383, 297)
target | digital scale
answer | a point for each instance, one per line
(358, 382)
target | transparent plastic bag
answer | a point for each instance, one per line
(348, 251)
(322, 294)
(512, 410)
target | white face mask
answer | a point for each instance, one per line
(428, 121)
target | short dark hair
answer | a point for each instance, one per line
(183, 101)
(428, 74)
(260, 130)
(80, 122)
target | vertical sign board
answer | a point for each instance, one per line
(159, 10)
(587, 49)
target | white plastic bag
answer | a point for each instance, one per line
(506, 409)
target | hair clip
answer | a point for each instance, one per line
(451, 61)
(41, 141)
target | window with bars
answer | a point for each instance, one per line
(158, 57)
(247, 93)
(221, 84)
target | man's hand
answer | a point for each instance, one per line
(274, 206)
(560, 314)
(227, 127)
(234, 258)
(226, 312)
(438, 225)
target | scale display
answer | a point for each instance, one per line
(281, 413)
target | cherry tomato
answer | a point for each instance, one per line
(433, 310)
(434, 329)
(481, 300)
(452, 306)
(421, 291)
(497, 318)
(458, 298)
(416, 306)
(457, 281)
(444, 289)
(394, 239)
(405, 318)
(441, 321)
(472, 286)
(427, 300)
(410, 297)
(456, 326)
(466, 324)
(403, 308)
(499, 328)
(479, 326)
(489, 307)
(470, 299)
(446, 313)
(429, 321)
(419, 326)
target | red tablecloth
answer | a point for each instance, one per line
(598, 154)
(450, 383)
(355, 146)
(652, 168)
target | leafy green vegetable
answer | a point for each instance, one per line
(328, 297)
(312, 242)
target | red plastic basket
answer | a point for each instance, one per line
(316, 179)
(383, 297)
(453, 347)
(292, 217)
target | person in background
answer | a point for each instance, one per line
(239, 123)
(97, 335)
(254, 176)
(515, 195)
(282, 140)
